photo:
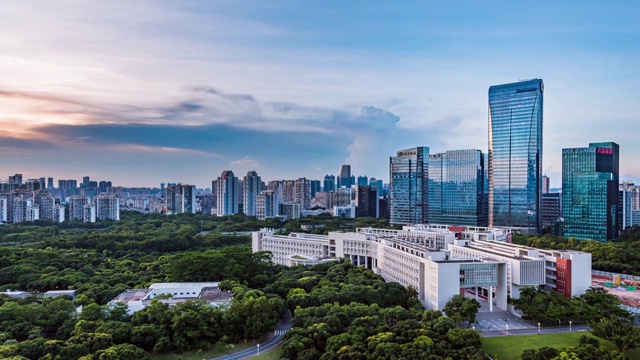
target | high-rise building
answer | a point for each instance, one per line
(290, 211)
(58, 213)
(373, 182)
(628, 202)
(107, 207)
(363, 180)
(408, 193)
(302, 193)
(457, 188)
(208, 203)
(85, 182)
(15, 179)
(590, 183)
(329, 183)
(180, 199)
(551, 209)
(47, 203)
(266, 205)
(325, 199)
(343, 197)
(315, 187)
(32, 213)
(545, 184)
(4, 208)
(49, 183)
(367, 200)
(228, 190)
(344, 178)
(515, 155)
(76, 207)
(252, 187)
(89, 213)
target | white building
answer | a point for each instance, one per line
(47, 204)
(173, 293)
(32, 213)
(438, 262)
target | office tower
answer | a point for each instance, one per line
(85, 181)
(76, 207)
(34, 184)
(266, 205)
(89, 213)
(49, 183)
(315, 187)
(47, 203)
(343, 197)
(456, 188)
(624, 204)
(329, 183)
(545, 184)
(367, 199)
(228, 192)
(515, 155)
(58, 213)
(373, 182)
(107, 207)
(180, 199)
(15, 179)
(302, 193)
(363, 180)
(252, 187)
(590, 182)
(408, 192)
(551, 209)
(344, 178)
(208, 203)
(102, 187)
(4, 207)
(162, 187)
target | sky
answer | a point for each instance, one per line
(144, 92)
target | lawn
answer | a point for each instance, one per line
(216, 351)
(511, 347)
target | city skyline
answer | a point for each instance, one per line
(154, 92)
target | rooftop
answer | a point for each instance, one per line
(185, 285)
(132, 295)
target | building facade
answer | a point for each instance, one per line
(408, 193)
(180, 199)
(457, 188)
(267, 205)
(590, 183)
(439, 261)
(252, 187)
(76, 207)
(228, 191)
(551, 209)
(367, 202)
(515, 155)
(107, 207)
(329, 183)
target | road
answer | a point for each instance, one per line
(273, 342)
(534, 331)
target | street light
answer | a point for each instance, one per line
(558, 325)
(538, 328)
(258, 349)
(569, 325)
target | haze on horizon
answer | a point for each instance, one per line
(157, 91)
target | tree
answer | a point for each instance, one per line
(620, 332)
(462, 309)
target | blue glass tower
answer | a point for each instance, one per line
(408, 193)
(457, 188)
(590, 182)
(515, 155)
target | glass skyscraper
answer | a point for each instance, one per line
(457, 188)
(408, 193)
(590, 182)
(515, 155)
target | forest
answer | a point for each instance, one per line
(340, 311)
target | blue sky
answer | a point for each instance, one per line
(163, 91)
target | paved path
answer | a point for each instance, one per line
(534, 331)
(273, 342)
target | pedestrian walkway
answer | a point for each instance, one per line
(280, 332)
